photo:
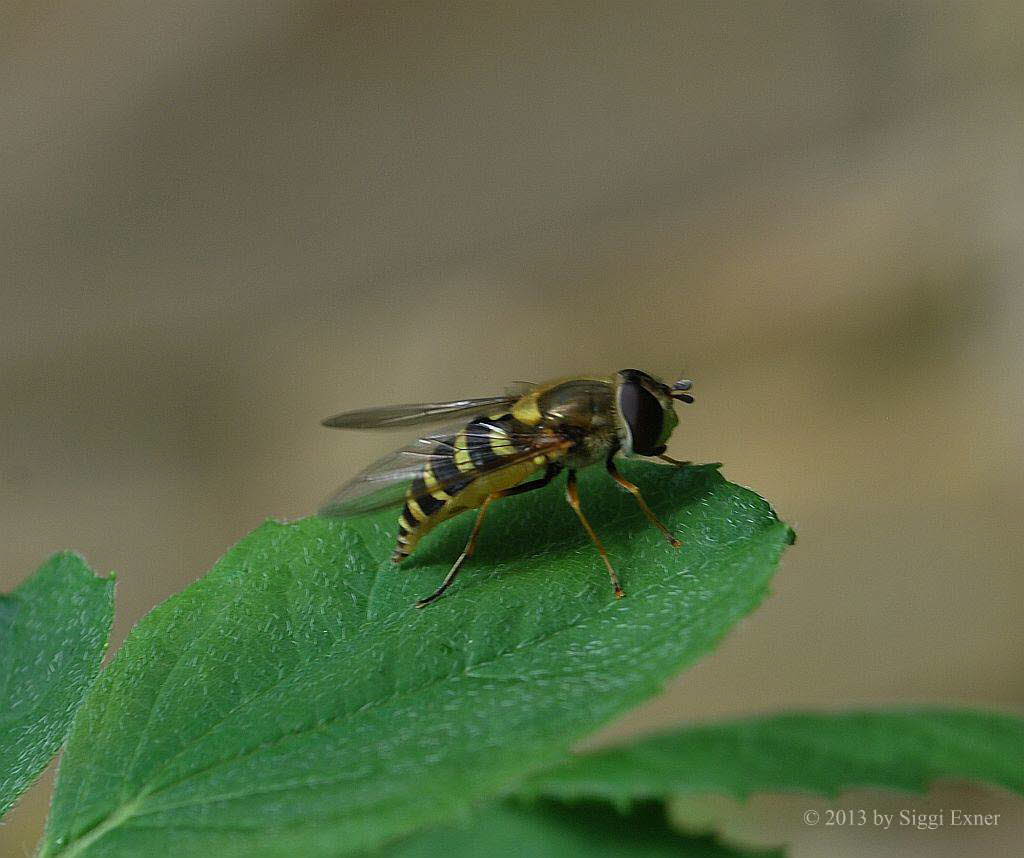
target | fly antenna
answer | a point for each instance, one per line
(678, 390)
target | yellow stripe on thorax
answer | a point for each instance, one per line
(526, 410)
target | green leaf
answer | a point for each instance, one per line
(53, 631)
(294, 702)
(551, 830)
(806, 752)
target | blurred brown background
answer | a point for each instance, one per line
(220, 222)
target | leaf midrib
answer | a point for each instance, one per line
(467, 672)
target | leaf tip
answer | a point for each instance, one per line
(65, 557)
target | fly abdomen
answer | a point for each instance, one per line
(407, 526)
(426, 501)
(456, 465)
(486, 441)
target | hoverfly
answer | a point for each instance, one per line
(499, 442)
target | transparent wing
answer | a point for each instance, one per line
(520, 388)
(387, 481)
(396, 416)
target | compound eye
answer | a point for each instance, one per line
(643, 415)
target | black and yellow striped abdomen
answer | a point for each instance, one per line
(461, 472)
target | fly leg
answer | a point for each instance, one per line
(635, 491)
(573, 496)
(672, 461)
(467, 552)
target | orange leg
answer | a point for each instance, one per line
(467, 552)
(573, 496)
(635, 491)
(675, 462)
